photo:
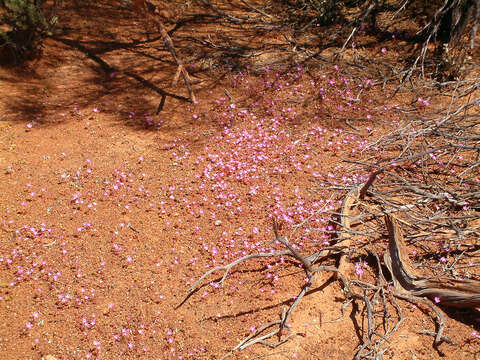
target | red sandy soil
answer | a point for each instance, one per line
(108, 215)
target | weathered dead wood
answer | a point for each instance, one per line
(348, 205)
(445, 291)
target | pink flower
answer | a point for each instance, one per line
(358, 269)
(29, 325)
(437, 299)
(423, 101)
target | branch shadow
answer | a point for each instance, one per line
(106, 53)
(469, 317)
(288, 302)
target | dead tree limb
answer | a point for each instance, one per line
(445, 291)
(169, 45)
(257, 337)
(346, 214)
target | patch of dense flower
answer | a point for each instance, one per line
(271, 146)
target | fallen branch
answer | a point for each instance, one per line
(150, 8)
(311, 271)
(348, 205)
(445, 291)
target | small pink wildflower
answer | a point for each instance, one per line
(423, 101)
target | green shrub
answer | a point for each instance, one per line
(22, 29)
(328, 11)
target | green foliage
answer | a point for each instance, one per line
(22, 29)
(323, 12)
(328, 11)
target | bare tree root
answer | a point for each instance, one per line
(435, 209)
(409, 286)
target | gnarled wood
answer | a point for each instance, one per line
(348, 205)
(445, 291)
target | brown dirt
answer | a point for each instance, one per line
(109, 213)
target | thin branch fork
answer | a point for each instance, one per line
(358, 21)
(169, 45)
(256, 337)
(295, 253)
(255, 9)
(226, 269)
